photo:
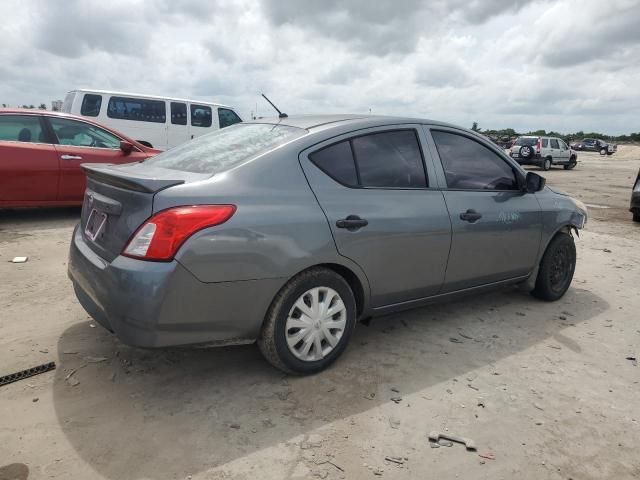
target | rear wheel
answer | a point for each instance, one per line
(546, 164)
(309, 323)
(556, 268)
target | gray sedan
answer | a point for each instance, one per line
(287, 232)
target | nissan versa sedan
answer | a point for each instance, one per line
(287, 232)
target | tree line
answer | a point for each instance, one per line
(510, 133)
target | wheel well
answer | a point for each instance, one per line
(145, 143)
(353, 281)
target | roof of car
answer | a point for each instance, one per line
(316, 121)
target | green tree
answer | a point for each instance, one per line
(42, 106)
(474, 127)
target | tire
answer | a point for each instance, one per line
(572, 164)
(546, 164)
(556, 268)
(526, 152)
(603, 151)
(280, 325)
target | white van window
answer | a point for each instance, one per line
(200, 116)
(227, 117)
(91, 105)
(178, 113)
(137, 109)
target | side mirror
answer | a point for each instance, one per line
(126, 147)
(534, 182)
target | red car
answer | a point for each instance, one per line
(41, 153)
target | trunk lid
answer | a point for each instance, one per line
(119, 198)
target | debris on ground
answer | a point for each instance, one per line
(92, 325)
(487, 455)
(434, 437)
(71, 380)
(455, 340)
(606, 250)
(20, 259)
(394, 389)
(473, 387)
(35, 399)
(96, 359)
(30, 372)
(394, 423)
(396, 400)
(396, 460)
(537, 405)
(370, 396)
(235, 426)
(634, 361)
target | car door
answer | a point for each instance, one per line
(201, 120)
(564, 152)
(556, 153)
(384, 212)
(79, 142)
(29, 169)
(496, 227)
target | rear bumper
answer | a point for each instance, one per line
(535, 160)
(156, 304)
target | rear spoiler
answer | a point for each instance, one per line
(129, 177)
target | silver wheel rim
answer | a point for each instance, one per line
(315, 324)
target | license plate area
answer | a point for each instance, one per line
(95, 224)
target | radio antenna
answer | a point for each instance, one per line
(280, 114)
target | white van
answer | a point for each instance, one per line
(157, 122)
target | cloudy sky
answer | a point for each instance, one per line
(564, 65)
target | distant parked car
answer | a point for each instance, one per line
(595, 145)
(286, 231)
(543, 152)
(41, 153)
(159, 122)
(635, 199)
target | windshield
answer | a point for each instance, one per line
(224, 149)
(530, 141)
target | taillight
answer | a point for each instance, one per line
(160, 237)
(538, 145)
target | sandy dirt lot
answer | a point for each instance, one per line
(544, 389)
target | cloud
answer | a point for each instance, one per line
(561, 65)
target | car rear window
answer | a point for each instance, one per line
(224, 149)
(530, 141)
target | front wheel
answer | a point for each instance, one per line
(309, 322)
(546, 164)
(556, 268)
(603, 151)
(572, 164)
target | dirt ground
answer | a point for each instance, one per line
(546, 389)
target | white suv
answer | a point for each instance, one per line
(543, 152)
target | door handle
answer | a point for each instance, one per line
(470, 216)
(352, 223)
(70, 157)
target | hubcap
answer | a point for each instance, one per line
(315, 324)
(560, 268)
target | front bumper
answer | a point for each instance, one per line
(156, 304)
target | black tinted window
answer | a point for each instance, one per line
(227, 117)
(469, 165)
(91, 105)
(178, 113)
(21, 128)
(200, 116)
(138, 109)
(389, 159)
(337, 162)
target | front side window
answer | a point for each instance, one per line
(227, 117)
(178, 113)
(563, 145)
(200, 116)
(554, 143)
(21, 128)
(389, 159)
(80, 134)
(337, 162)
(137, 109)
(223, 149)
(91, 105)
(469, 165)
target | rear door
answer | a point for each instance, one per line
(29, 170)
(496, 227)
(384, 211)
(201, 120)
(178, 129)
(79, 142)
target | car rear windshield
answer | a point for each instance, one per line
(224, 149)
(530, 141)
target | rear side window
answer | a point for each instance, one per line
(554, 143)
(200, 116)
(178, 113)
(91, 105)
(137, 109)
(337, 162)
(468, 165)
(21, 128)
(223, 149)
(545, 142)
(389, 159)
(227, 117)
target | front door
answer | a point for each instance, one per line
(80, 142)
(381, 210)
(496, 226)
(29, 169)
